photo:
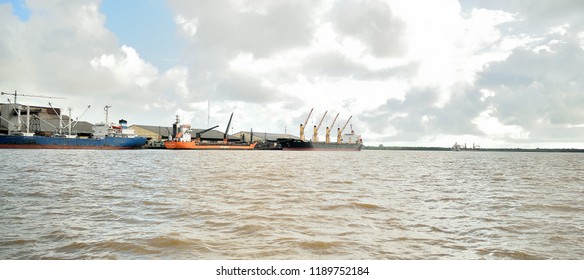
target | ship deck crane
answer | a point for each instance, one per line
(198, 134)
(328, 129)
(227, 129)
(316, 128)
(303, 126)
(340, 131)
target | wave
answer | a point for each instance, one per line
(319, 245)
(354, 205)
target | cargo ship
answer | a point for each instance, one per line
(104, 137)
(351, 141)
(297, 145)
(182, 139)
(65, 142)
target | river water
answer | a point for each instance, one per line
(159, 204)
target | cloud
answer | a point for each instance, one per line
(257, 27)
(371, 22)
(538, 15)
(127, 67)
(539, 89)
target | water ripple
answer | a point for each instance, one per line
(154, 204)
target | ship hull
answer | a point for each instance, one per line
(44, 142)
(191, 145)
(298, 145)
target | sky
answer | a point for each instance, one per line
(497, 73)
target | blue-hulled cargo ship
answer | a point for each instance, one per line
(62, 142)
(102, 136)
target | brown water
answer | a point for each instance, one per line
(157, 204)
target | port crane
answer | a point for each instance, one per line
(303, 126)
(340, 131)
(28, 95)
(328, 129)
(316, 128)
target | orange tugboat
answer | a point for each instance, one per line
(182, 139)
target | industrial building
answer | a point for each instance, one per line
(265, 137)
(40, 120)
(160, 133)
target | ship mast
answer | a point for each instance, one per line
(316, 128)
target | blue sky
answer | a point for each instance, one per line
(424, 73)
(148, 26)
(19, 8)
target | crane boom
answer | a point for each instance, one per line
(198, 134)
(307, 118)
(28, 95)
(340, 131)
(344, 126)
(333, 123)
(322, 119)
(77, 119)
(227, 129)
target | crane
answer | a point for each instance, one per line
(328, 129)
(198, 134)
(316, 128)
(39, 96)
(303, 126)
(227, 129)
(340, 130)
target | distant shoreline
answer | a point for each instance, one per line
(536, 150)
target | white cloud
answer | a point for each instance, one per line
(188, 26)
(491, 126)
(127, 67)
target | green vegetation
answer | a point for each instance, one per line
(538, 150)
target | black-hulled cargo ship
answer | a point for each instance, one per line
(350, 141)
(299, 145)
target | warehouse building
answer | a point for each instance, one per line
(161, 133)
(39, 120)
(261, 136)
